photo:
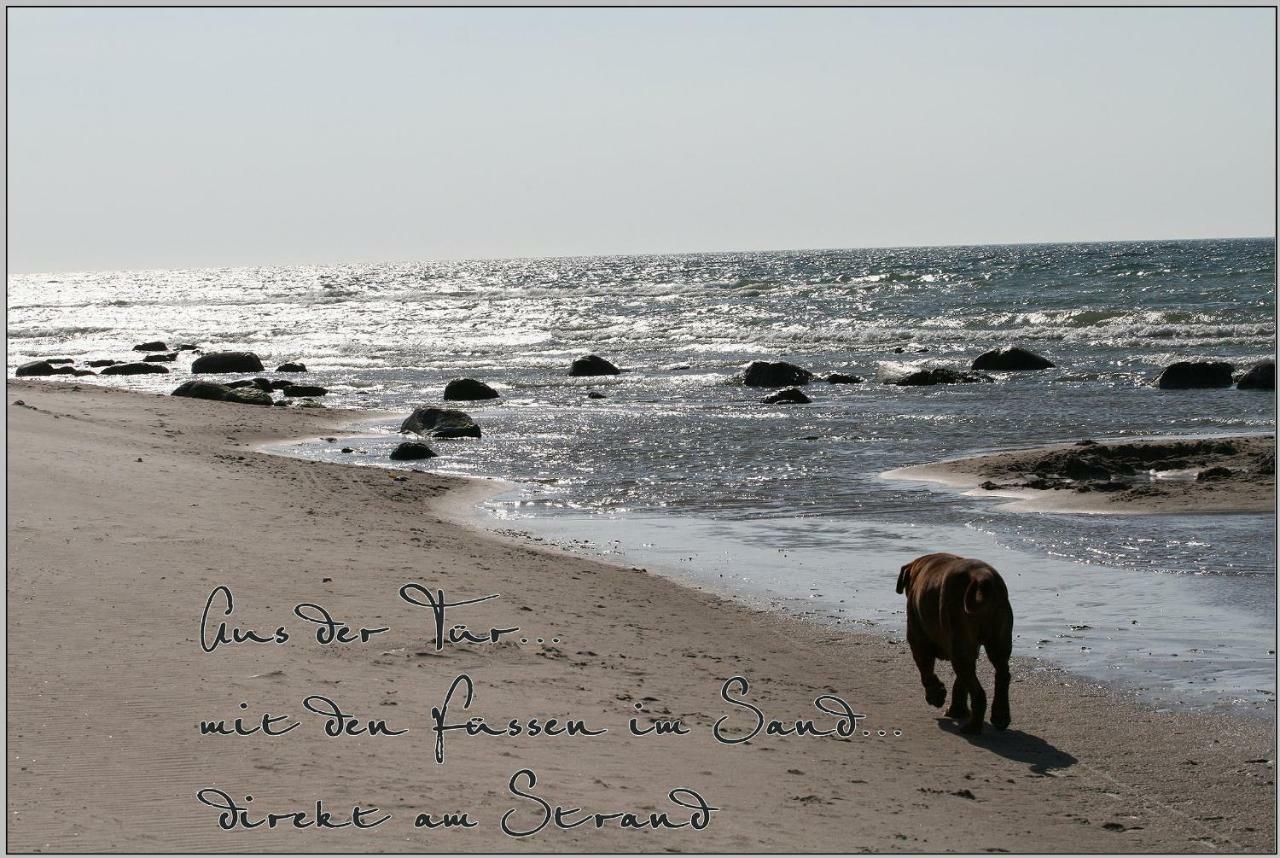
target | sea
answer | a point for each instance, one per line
(681, 471)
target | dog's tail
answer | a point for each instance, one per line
(981, 594)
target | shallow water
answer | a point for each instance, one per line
(1176, 644)
(677, 448)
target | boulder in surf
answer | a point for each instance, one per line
(1011, 359)
(410, 450)
(762, 373)
(138, 368)
(227, 362)
(468, 389)
(790, 396)
(1260, 376)
(592, 365)
(441, 423)
(1188, 374)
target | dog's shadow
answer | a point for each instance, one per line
(1015, 745)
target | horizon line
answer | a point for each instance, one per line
(638, 255)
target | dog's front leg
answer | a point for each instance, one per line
(959, 708)
(923, 652)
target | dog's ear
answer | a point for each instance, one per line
(904, 576)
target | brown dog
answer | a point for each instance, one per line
(954, 606)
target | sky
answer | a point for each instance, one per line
(176, 138)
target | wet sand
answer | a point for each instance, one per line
(126, 510)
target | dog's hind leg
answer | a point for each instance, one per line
(934, 691)
(999, 658)
(959, 708)
(967, 677)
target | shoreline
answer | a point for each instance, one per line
(1106, 476)
(695, 567)
(204, 507)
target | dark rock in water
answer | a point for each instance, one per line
(1261, 376)
(1146, 456)
(85, 372)
(153, 346)
(898, 350)
(676, 367)
(938, 375)
(412, 450)
(292, 366)
(1074, 466)
(761, 373)
(1078, 466)
(133, 369)
(227, 362)
(280, 383)
(468, 389)
(165, 358)
(1084, 468)
(35, 367)
(1210, 474)
(790, 396)
(844, 378)
(102, 362)
(282, 402)
(58, 360)
(202, 390)
(1009, 359)
(184, 347)
(260, 383)
(439, 423)
(1186, 374)
(1045, 484)
(1109, 486)
(1086, 443)
(595, 394)
(592, 365)
(249, 396)
(64, 369)
(347, 450)
(1112, 462)
(304, 390)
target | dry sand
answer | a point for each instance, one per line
(111, 560)
(1148, 475)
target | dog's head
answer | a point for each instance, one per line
(904, 576)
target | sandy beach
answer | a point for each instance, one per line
(127, 510)
(1151, 475)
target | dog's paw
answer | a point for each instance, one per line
(1000, 721)
(936, 696)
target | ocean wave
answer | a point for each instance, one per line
(55, 332)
